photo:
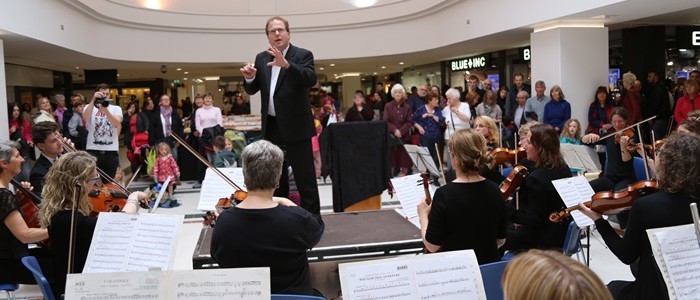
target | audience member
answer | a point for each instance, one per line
(103, 124)
(358, 112)
(457, 116)
(427, 119)
(417, 99)
(225, 157)
(631, 98)
(599, 112)
(489, 107)
(558, 110)
(687, 103)
(397, 115)
(534, 107)
(21, 133)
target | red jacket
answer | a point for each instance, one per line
(684, 106)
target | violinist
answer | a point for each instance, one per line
(538, 196)
(47, 138)
(677, 173)
(14, 232)
(620, 170)
(488, 128)
(469, 212)
(691, 126)
(69, 180)
(278, 231)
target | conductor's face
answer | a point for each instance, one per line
(277, 34)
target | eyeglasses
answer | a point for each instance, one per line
(95, 179)
(276, 31)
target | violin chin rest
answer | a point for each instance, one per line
(94, 193)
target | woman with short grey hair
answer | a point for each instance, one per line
(457, 115)
(631, 98)
(269, 231)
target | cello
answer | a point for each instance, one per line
(30, 212)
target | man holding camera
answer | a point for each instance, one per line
(103, 122)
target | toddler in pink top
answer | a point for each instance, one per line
(166, 166)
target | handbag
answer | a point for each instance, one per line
(151, 160)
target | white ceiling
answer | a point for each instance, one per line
(314, 17)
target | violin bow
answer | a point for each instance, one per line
(442, 170)
(644, 153)
(628, 127)
(204, 161)
(69, 148)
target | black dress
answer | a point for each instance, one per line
(538, 199)
(468, 216)
(661, 209)
(275, 237)
(59, 231)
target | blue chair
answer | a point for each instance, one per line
(32, 264)
(506, 171)
(572, 241)
(294, 297)
(9, 289)
(491, 276)
(638, 164)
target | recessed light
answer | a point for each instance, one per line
(400, 63)
(670, 63)
(178, 69)
(117, 74)
(332, 65)
(184, 78)
(187, 73)
(321, 68)
(383, 67)
(77, 68)
(375, 73)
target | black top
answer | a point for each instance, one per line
(155, 131)
(59, 233)
(538, 199)
(38, 173)
(275, 237)
(10, 246)
(367, 114)
(468, 216)
(661, 209)
(616, 168)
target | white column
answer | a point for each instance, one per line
(351, 83)
(4, 126)
(575, 59)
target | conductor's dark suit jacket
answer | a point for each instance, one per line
(291, 98)
(39, 170)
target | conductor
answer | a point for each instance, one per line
(287, 72)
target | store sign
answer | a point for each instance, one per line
(688, 37)
(695, 39)
(470, 63)
(526, 53)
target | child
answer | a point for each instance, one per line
(225, 158)
(166, 166)
(571, 133)
(76, 131)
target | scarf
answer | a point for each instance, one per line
(166, 115)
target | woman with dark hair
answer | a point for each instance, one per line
(427, 119)
(677, 173)
(538, 198)
(20, 132)
(599, 112)
(502, 99)
(456, 220)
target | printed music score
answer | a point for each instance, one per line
(409, 191)
(575, 190)
(580, 157)
(443, 275)
(215, 188)
(128, 242)
(241, 283)
(677, 254)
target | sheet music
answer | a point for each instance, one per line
(409, 191)
(575, 190)
(240, 283)
(677, 254)
(214, 187)
(580, 157)
(422, 159)
(127, 242)
(448, 275)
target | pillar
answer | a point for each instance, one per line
(4, 126)
(574, 58)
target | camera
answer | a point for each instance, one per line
(103, 101)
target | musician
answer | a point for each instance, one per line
(677, 173)
(469, 212)
(690, 126)
(69, 180)
(14, 232)
(620, 169)
(538, 198)
(550, 275)
(46, 136)
(278, 232)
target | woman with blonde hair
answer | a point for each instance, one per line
(67, 185)
(541, 274)
(488, 128)
(450, 222)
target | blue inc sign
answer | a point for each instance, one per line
(470, 63)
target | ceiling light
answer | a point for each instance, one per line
(400, 63)
(363, 3)
(77, 68)
(117, 74)
(186, 73)
(321, 68)
(210, 78)
(184, 78)
(332, 65)
(178, 69)
(670, 63)
(374, 73)
(383, 67)
(153, 4)
(568, 24)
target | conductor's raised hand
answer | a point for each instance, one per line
(249, 71)
(278, 60)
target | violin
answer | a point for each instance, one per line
(514, 180)
(27, 201)
(611, 203)
(238, 196)
(501, 156)
(426, 186)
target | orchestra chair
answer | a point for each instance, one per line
(572, 242)
(506, 172)
(9, 289)
(294, 297)
(32, 265)
(638, 164)
(491, 274)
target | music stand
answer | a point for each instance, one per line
(421, 159)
